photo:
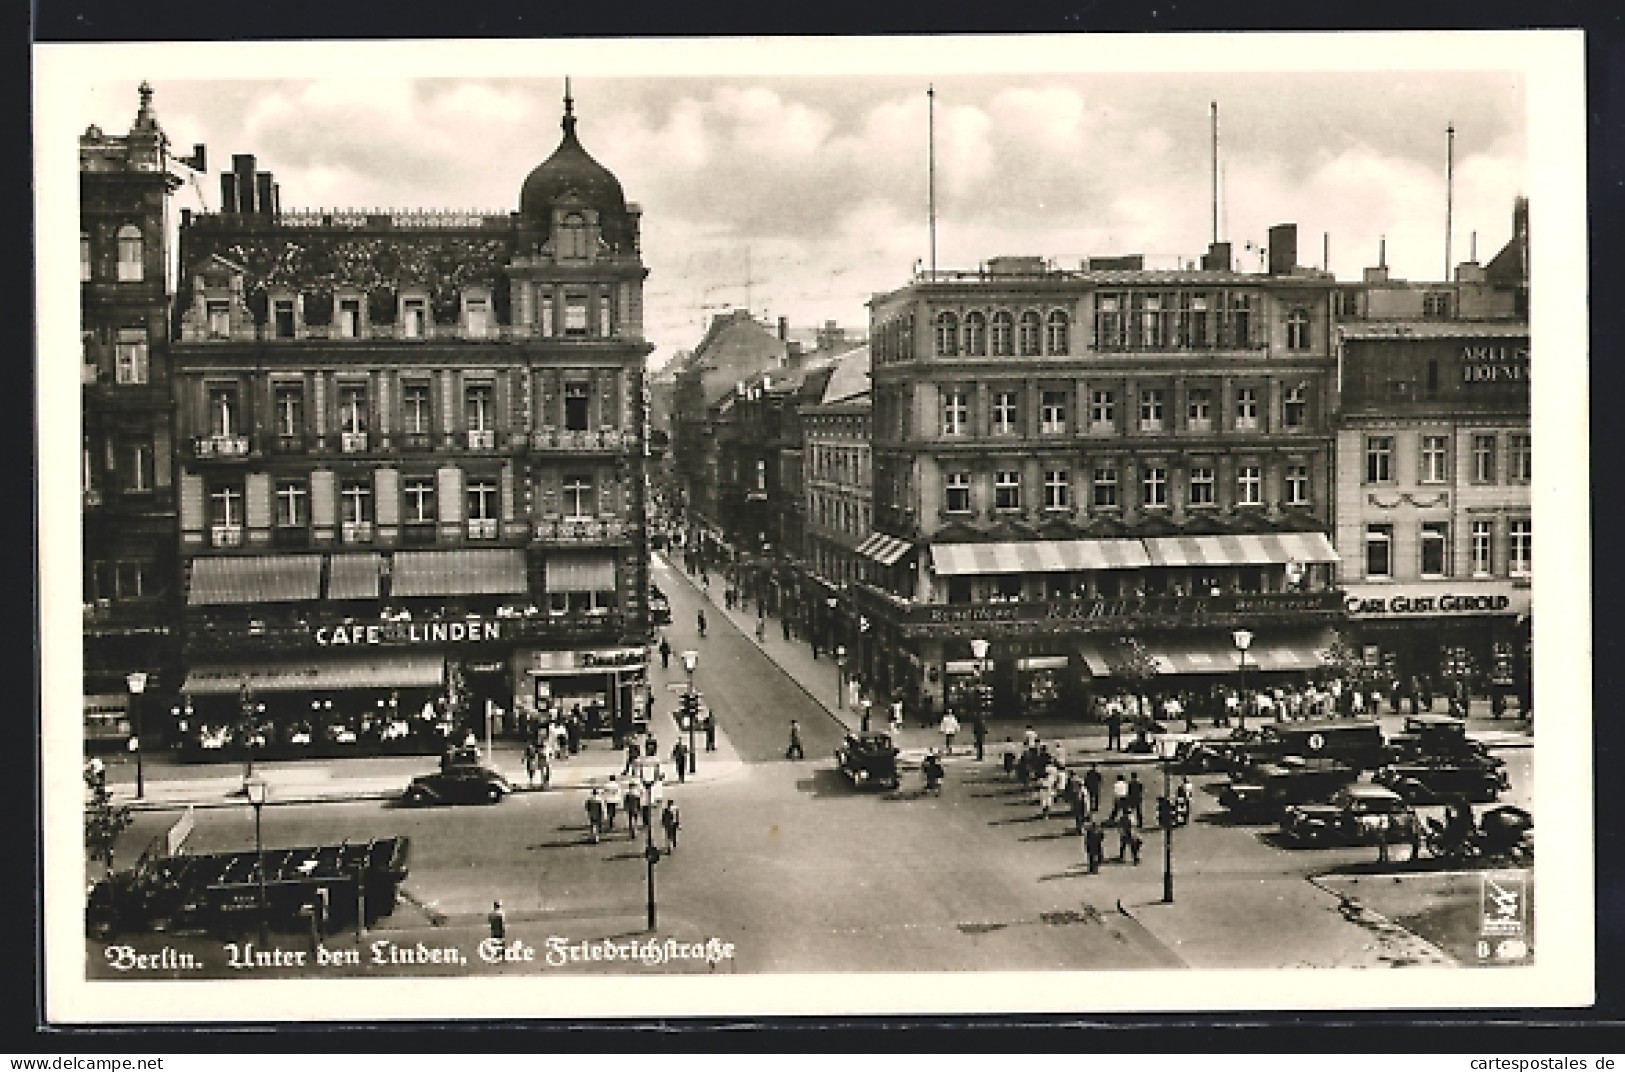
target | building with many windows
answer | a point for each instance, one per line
(837, 474)
(1434, 462)
(410, 454)
(130, 568)
(1064, 457)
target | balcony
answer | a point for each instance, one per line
(1112, 613)
(604, 439)
(482, 439)
(584, 530)
(225, 535)
(220, 446)
(352, 442)
(356, 532)
(482, 528)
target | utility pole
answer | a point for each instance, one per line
(931, 169)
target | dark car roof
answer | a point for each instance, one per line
(869, 741)
(1435, 720)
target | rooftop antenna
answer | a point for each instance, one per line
(1382, 251)
(1472, 247)
(1214, 107)
(931, 169)
(1326, 251)
(1449, 191)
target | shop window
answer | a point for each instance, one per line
(976, 334)
(1154, 486)
(955, 413)
(947, 335)
(131, 254)
(1483, 548)
(1007, 490)
(1105, 485)
(1483, 459)
(1435, 549)
(1379, 459)
(1521, 549)
(575, 407)
(1056, 483)
(1379, 561)
(1004, 413)
(957, 497)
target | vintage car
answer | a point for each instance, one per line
(659, 606)
(1435, 737)
(1259, 793)
(869, 759)
(1480, 781)
(1358, 743)
(1361, 814)
(461, 779)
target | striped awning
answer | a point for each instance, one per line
(884, 549)
(1218, 654)
(354, 576)
(1280, 547)
(458, 573)
(223, 579)
(580, 572)
(1036, 556)
(384, 672)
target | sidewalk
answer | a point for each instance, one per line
(170, 784)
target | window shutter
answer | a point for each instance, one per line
(505, 490)
(191, 502)
(257, 492)
(449, 492)
(322, 502)
(386, 496)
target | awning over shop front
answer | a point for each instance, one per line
(1278, 547)
(580, 572)
(353, 576)
(884, 549)
(1036, 556)
(393, 672)
(1218, 654)
(224, 579)
(458, 573)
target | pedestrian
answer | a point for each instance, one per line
(710, 731)
(572, 730)
(978, 732)
(1029, 738)
(1127, 840)
(631, 756)
(498, 921)
(1009, 757)
(1080, 806)
(1094, 846)
(679, 757)
(651, 746)
(595, 812)
(632, 800)
(784, 623)
(700, 621)
(1091, 786)
(950, 727)
(794, 751)
(530, 765)
(1046, 792)
(665, 654)
(1114, 727)
(863, 718)
(612, 800)
(671, 822)
(1136, 798)
(561, 739)
(655, 799)
(1119, 798)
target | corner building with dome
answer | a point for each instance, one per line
(409, 465)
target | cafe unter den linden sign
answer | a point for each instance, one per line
(473, 630)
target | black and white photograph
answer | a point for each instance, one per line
(831, 525)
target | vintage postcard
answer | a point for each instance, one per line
(850, 526)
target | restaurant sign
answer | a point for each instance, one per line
(1027, 616)
(395, 634)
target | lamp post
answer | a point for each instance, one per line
(649, 774)
(979, 648)
(834, 631)
(1244, 640)
(840, 676)
(138, 684)
(691, 659)
(1166, 746)
(257, 791)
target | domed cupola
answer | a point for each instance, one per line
(572, 179)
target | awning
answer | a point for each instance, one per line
(353, 576)
(1036, 556)
(391, 672)
(1218, 654)
(580, 573)
(1095, 658)
(222, 579)
(458, 573)
(884, 549)
(1280, 547)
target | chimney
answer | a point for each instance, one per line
(1283, 248)
(264, 203)
(784, 328)
(243, 165)
(228, 192)
(1217, 258)
(186, 217)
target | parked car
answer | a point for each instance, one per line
(1435, 737)
(869, 759)
(1480, 781)
(460, 780)
(659, 606)
(1355, 742)
(1264, 789)
(1361, 814)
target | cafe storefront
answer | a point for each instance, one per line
(601, 683)
(1443, 630)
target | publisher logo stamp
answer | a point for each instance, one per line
(1503, 916)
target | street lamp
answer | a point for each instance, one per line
(1244, 640)
(691, 659)
(649, 774)
(138, 684)
(840, 676)
(979, 649)
(1166, 747)
(257, 791)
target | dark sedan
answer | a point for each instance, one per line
(1361, 814)
(458, 784)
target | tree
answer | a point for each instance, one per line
(104, 820)
(1132, 664)
(1343, 659)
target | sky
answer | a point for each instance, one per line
(801, 194)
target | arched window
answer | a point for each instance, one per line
(130, 269)
(976, 334)
(947, 335)
(1297, 330)
(572, 238)
(1059, 329)
(1030, 332)
(1004, 326)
